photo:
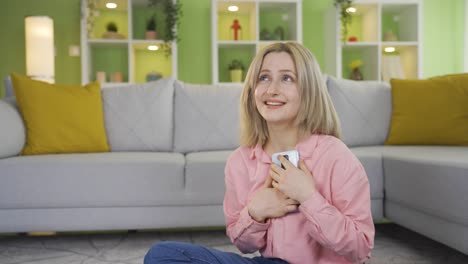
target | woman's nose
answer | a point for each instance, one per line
(273, 87)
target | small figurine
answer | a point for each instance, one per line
(352, 39)
(236, 27)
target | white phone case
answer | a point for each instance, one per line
(291, 155)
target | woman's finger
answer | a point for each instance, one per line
(267, 183)
(276, 168)
(291, 201)
(291, 208)
(274, 175)
(275, 184)
(303, 167)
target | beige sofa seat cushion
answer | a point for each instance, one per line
(92, 180)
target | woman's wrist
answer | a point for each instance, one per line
(255, 217)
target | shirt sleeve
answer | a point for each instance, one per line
(245, 233)
(345, 223)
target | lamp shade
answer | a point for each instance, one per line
(40, 61)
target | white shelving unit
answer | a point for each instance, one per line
(371, 26)
(129, 54)
(262, 22)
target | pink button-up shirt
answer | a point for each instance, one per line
(334, 225)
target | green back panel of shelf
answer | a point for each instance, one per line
(227, 54)
(225, 20)
(141, 16)
(271, 20)
(147, 61)
(109, 60)
(389, 24)
(120, 18)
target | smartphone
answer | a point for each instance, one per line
(291, 155)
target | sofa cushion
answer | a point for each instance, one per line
(139, 117)
(92, 180)
(60, 118)
(430, 112)
(204, 173)
(371, 159)
(13, 135)
(206, 117)
(429, 179)
(364, 109)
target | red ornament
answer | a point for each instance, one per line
(352, 39)
(236, 27)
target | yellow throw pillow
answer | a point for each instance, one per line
(60, 118)
(430, 112)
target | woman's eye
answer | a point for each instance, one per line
(287, 78)
(263, 78)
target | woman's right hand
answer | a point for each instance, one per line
(268, 202)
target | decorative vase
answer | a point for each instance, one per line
(153, 76)
(151, 35)
(390, 36)
(356, 75)
(236, 75)
(101, 76)
(117, 77)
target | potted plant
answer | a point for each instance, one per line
(151, 28)
(345, 16)
(112, 31)
(236, 70)
(173, 12)
(356, 73)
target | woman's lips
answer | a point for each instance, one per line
(274, 104)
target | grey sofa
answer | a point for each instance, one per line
(170, 141)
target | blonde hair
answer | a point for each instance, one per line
(316, 113)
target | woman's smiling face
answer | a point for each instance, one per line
(276, 94)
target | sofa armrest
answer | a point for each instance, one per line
(12, 130)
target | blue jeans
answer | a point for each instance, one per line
(178, 252)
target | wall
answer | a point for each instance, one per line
(66, 16)
(442, 36)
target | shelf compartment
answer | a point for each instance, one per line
(365, 53)
(109, 59)
(227, 53)
(277, 21)
(404, 60)
(119, 16)
(364, 24)
(246, 16)
(400, 22)
(149, 61)
(141, 14)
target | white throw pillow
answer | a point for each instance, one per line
(206, 117)
(364, 109)
(139, 117)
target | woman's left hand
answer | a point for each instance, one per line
(295, 183)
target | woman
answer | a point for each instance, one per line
(318, 212)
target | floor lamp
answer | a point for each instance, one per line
(40, 51)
